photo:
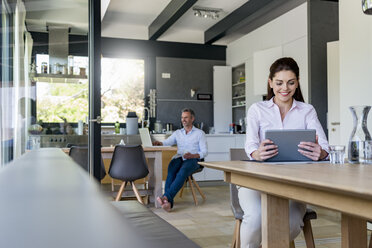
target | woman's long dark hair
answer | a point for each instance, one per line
(285, 64)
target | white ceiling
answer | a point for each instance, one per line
(131, 18)
(69, 13)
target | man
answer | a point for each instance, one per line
(192, 147)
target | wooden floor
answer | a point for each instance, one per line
(211, 223)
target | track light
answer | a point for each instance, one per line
(206, 12)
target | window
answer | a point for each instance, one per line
(122, 88)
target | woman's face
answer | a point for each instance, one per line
(284, 85)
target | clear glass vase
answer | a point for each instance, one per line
(360, 144)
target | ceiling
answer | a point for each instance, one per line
(172, 20)
(132, 18)
(67, 13)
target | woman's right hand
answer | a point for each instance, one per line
(266, 150)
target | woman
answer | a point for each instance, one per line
(284, 108)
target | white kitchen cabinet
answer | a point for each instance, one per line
(219, 150)
(222, 112)
(239, 141)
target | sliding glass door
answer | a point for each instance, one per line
(50, 87)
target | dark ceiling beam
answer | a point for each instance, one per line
(248, 17)
(174, 10)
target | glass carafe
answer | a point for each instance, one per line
(360, 138)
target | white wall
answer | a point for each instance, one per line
(288, 31)
(355, 63)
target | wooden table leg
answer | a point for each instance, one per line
(275, 221)
(353, 232)
(155, 175)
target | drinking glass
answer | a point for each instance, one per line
(336, 154)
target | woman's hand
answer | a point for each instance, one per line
(266, 150)
(313, 150)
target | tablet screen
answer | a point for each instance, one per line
(287, 141)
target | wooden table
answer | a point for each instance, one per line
(346, 188)
(154, 156)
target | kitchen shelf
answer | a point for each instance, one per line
(238, 106)
(238, 97)
(57, 78)
(237, 84)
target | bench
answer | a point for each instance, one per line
(151, 227)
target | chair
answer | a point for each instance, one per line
(239, 154)
(128, 164)
(80, 155)
(192, 181)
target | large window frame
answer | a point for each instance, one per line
(6, 75)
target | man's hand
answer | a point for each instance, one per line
(157, 143)
(190, 155)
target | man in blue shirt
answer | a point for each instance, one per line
(191, 148)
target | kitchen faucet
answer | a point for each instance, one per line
(148, 117)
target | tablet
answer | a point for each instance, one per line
(287, 141)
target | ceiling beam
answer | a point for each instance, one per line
(248, 17)
(174, 10)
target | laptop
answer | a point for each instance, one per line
(287, 141)
(146, 138)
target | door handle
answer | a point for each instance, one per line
(335, 123)
(98, 120)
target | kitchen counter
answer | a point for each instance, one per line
(224, 135)
(106, 139)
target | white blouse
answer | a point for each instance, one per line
(265, 115)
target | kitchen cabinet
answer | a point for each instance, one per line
(219, 150)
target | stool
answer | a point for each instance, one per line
(192, 181)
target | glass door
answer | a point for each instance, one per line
(94, 138)
(49, 95)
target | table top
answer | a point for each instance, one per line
(59, 207)
(146, 149)
(351, 179)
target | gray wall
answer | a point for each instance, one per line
(173, 94)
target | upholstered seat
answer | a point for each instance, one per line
(80, 155)
(128, 164)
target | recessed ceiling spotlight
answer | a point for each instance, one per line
(206, 12)
(197, 13)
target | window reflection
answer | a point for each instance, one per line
(33, 34)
